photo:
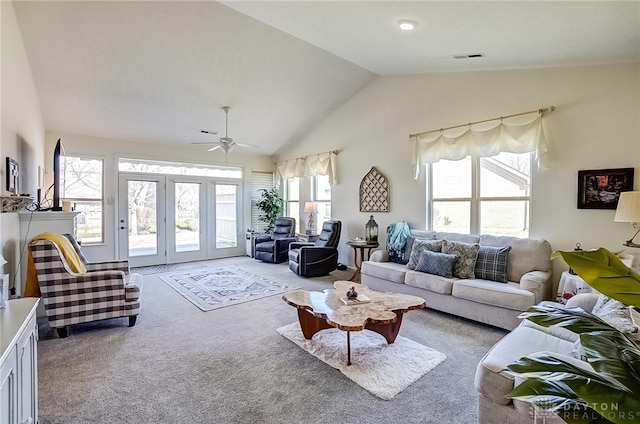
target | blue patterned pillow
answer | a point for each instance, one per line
(492, 263)
(436, 263)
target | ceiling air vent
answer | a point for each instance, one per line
(468, 56)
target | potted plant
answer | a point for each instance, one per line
(271, 204)
(610, 393)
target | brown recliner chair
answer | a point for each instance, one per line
(274, 248)
(319, 258)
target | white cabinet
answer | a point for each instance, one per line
(34, 223)
(19, 362)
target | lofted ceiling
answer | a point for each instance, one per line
(159, 71)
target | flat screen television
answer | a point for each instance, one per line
(57, 152)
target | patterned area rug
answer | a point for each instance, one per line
(211, 288)
(383, 369)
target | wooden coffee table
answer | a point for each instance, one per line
(321, 310)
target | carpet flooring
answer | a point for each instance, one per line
(181, 365)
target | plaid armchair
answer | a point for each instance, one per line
(107, 290)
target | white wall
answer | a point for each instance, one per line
(596, 125)
(109, 150)
(22, 129)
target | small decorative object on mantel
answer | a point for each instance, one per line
(15, 203)
(601, 188)
(371, 231)
(577, 249)
(374, 192)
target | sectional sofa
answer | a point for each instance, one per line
(491, 302)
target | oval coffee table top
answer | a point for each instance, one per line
(353, 317)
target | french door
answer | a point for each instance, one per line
(168, 219)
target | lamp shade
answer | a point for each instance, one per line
(628, 209)
(309, 207)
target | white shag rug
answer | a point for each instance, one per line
(383, 369)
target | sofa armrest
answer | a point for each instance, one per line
(538, 283)
(262, 239)
(586, 301)
(299, 244)
(379, 256)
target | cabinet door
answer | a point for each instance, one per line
(8, 389)
(28, 375)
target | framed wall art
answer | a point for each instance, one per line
(374, 192)
(601, 188)
(12, 172)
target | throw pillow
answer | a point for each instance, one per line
(467, 254)
(577, 351)
(436, 263)
(614, 313)
(492, 263)
(417, 247)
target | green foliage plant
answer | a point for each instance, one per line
(610, 393)
(271, 204)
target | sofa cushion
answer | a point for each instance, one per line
(419, 245)
(526, 254)
(430, 282)
(436, 263)
(508, 296)
(390, 271)
(492, 263)
(491, 379)
(467, 255)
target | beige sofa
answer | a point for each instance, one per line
(490, 302)
(494, 383)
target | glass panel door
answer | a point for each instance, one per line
(141, 219)
(226, 216)
(187, 204)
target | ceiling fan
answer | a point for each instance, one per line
(226, 144)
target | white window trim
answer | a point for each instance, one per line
(475, 199)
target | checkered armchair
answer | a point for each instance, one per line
(107, 290)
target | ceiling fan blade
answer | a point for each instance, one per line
(214, 148)
(209, 132)
(204, 142)
(252, 146)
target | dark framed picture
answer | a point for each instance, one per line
(601, 188)
(13, 175)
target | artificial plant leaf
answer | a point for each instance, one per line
(604, 271)
(614, 354)
(546, 375)
(574, 319)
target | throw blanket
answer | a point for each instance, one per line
(397, 235)
(31, 287)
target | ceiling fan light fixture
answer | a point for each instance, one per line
(407, 25)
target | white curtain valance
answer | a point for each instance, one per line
(503, 137)
(308, 166)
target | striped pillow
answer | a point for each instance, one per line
(492, 263)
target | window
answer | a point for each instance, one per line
(259, 180)
(292, 199)
(81, 184)
(322, 197)
(482, 195)
(178, 168)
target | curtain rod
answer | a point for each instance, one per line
(304, 157)
(539, 111)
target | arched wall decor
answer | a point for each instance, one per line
(374, 192)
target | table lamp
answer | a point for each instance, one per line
(310, 207)
(628, 210)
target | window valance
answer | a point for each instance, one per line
(308, 166)
(432, 146)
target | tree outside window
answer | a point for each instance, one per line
(82, 185)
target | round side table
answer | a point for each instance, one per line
(365, 251)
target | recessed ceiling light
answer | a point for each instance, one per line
(406, 25)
